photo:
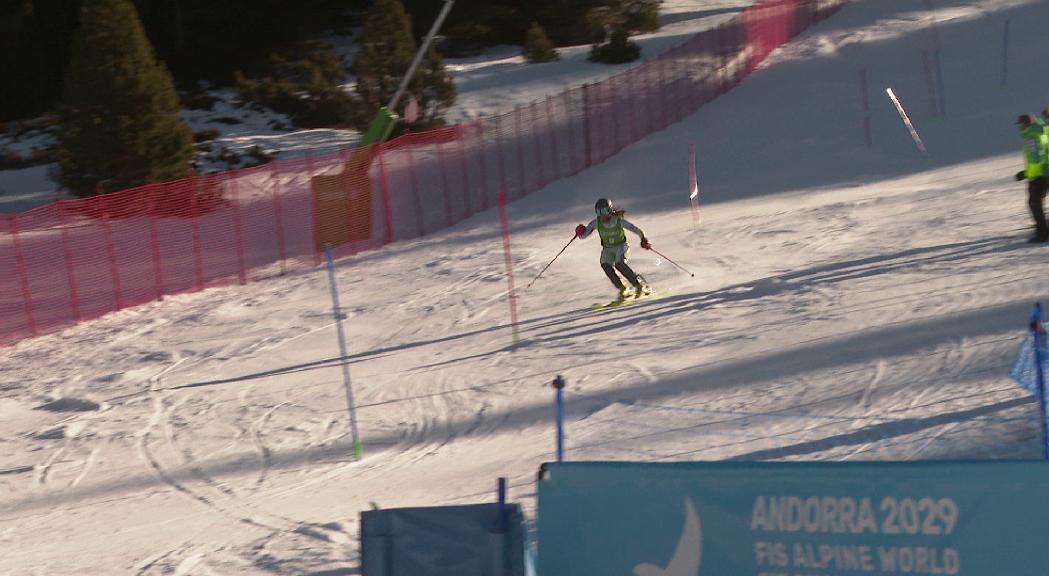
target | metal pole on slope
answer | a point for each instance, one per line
(1038, 330)
(419, 55)
(343, 359)
(385, 119)
(559, 386)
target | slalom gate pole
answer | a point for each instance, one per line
(551, 262)
(559, 386)
(664, 256)
(512, 294)
(501, 494)
(906, 119)
(1038, 330)
(343, 359)
(693, 184)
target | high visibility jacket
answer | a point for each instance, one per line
(612, 232)
(1036, 151)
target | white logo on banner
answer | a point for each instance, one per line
(685, 561)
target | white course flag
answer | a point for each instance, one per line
(693, 185)
(693, 179)
(906, 119)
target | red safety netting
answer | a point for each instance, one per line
(78, 259)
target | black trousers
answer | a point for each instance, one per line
(1036, 190)
(625, 270)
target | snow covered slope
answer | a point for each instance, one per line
(849, 303)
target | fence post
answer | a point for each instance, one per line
(279, 215)
(154, 242)
(574, 167)
(448, 219)
(67, 254)
(238, 229)
(387, 214)
(536, 139)
(111, 252)
(467, 205)
(551, 122)
(420, 223)
(23, 273)
(634, 103)
(315, 209)
(499, 147)
(523, 185)
(559, 387)
(606, 124)
(484, 162)
(194, 215)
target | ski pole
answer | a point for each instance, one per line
(672, 262)
(551, 262)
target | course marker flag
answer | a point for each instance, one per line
(906, 119)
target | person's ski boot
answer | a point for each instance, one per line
(642, 289)
(624, 293)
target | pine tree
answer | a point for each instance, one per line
(120, 117)
(22, 63)
(387, 49)
(640, 15)
(537, 47)
(618, 50)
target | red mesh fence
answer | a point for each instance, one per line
(78, 259)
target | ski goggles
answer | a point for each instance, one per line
(604, 211)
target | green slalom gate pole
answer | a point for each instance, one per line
(381, 127)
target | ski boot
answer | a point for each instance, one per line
(642, 289)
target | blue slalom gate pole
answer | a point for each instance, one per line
(503, 523)
(1038, 329)
(559, 385)
(358, 451)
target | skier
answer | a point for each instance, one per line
(611, 227)
(1036, 172)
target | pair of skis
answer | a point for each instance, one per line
(617, 303)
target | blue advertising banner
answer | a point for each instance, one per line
(973, 518)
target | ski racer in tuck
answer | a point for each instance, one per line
(611, 226)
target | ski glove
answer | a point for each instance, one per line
(579, 231)
(1021, 175)
(646, 244)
